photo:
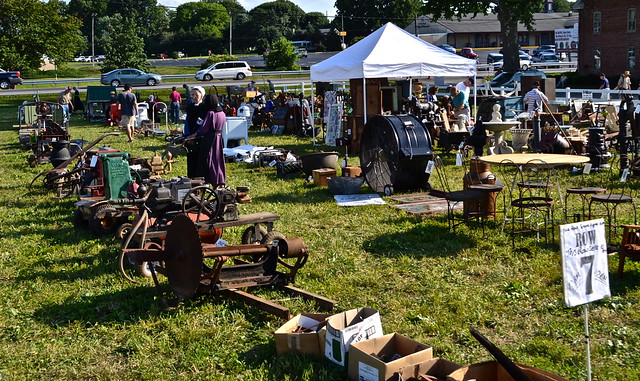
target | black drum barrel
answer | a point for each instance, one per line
(394, 152)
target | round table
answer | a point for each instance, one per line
(552, 159)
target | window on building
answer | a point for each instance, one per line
(631, 20)
(596, 59)
(597, 22)
(631, 58)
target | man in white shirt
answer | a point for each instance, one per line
(465, 87)
(534, 98)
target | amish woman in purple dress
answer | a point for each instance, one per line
(211, 157)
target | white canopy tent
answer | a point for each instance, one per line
(391, 52)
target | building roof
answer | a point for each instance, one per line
(489, 24)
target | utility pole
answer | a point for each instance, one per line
(93, 42)
(230, 34)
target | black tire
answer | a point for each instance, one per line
(5, 85)
(249, 236)
(78, 220)
(272, 237)
(240, 76)
(151, 82)
(207, 77)
(123, 230)
(101, 222)
(525, 67)
(115, 83)
(388, 190)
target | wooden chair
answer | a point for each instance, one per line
(630, 247)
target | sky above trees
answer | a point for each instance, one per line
(322, 6)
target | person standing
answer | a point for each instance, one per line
(196, 112)
(77, 102)
(187, 94)
(460, 104)
(211, 164)
(534, 98)
(272, 87)
(128, 107)
(175, 99)
(604, 85)
(465, 87)
(66, 101)
(624, 82)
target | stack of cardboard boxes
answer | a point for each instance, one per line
(353, 341)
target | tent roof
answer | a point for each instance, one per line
(391, 52)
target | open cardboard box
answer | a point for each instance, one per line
(350, 327)
(493, 371)
(378, 359)
(437, 367)
(309, 343)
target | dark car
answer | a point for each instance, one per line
(136, 77)
(509, 79)
(9, 79)
(468, 53)
(448, 48)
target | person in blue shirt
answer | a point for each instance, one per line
(460, 105)
(604, 85)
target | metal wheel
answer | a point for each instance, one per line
(102, 221)
(202, 201)
(151, 82)
(388, 190)
(240, 76)
(123, 230)
(525, 67)
(115, 83)
(4, 85)
(249, 236)
(208, 77)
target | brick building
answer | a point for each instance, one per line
(609, 33)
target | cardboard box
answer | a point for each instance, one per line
(308, 343)
(351, 171)
(380, 358)
(437, 367)
(322, 175)
(349, 327)
(492, 371)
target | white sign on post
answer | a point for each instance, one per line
(585, 270)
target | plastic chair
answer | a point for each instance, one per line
(453, 198)
(630, 246)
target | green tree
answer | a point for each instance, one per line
(31, 29)
(282, 56)
(281, 14)
(362, 17)
(199, 26)
(123, 47)
(562, 5)
(509, 13)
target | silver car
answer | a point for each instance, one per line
(120, 77)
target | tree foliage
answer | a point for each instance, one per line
(362, 17)
(281, 56)
(31, 29)
(281, 14)
(509, 13)
(123, 47)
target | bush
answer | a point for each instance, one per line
(215, 58)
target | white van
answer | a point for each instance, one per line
(232, 69)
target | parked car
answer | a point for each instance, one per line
(448, 48)
(522, 54)
(543, 48)
(9, 79)
(497, 60)
(180, 54)
(100, 58)
(301, 52)
(231, 69)
(509, 79)
(467, 52)
(162, 55)
(133, 77)
(546, 58)
(79, 59)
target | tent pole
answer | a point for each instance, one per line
(313, 113)
(364, 99)
(475, 96)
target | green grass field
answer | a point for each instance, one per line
(66, 313)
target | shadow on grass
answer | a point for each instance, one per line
(128, 305)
